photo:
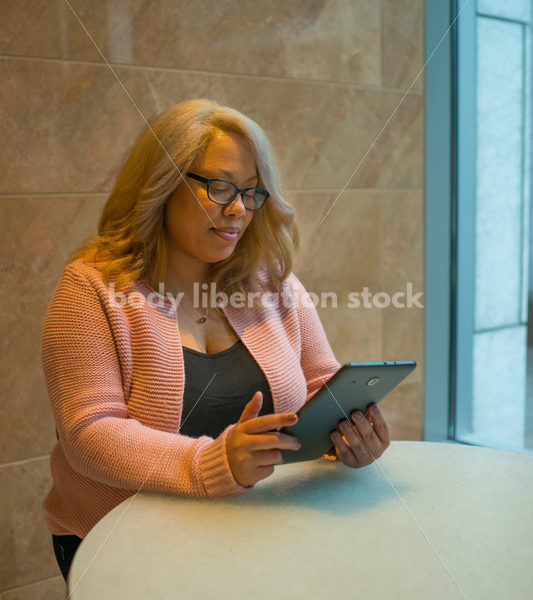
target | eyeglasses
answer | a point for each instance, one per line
(221, 191)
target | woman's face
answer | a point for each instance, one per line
(190, 220)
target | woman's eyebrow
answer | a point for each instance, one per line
(231, 175)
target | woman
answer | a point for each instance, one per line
(152, 391)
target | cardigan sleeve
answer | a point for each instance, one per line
(83, 375)
(317, 359)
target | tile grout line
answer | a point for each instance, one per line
(23, 461)
(31, 583)
(288, 191)
(356, 86)
(73, 193)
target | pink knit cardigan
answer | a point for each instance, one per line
(115, 379)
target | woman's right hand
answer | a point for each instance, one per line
(253, 445)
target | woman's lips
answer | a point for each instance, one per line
(226, 235)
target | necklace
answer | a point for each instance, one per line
(203, 318)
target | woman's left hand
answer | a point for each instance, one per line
(367, 437)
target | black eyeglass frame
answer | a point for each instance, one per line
(237, 190)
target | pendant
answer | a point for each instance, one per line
(203, 319)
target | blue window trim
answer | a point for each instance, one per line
(437, 189)
(442, 237)
(464, 239)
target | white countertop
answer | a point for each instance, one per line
(428, 520)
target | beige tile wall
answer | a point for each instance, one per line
(325, 78)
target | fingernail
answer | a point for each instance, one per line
(374, 409)
(358, 415)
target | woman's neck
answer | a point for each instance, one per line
(185, 276)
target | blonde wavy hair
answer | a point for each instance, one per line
(131, 240)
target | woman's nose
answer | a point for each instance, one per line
(236, 206)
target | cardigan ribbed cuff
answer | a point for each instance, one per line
(216, 472)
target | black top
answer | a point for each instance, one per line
(209, 409)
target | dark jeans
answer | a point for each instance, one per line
(65, 547)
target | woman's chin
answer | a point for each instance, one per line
(219, 255)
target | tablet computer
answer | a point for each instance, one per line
(354, 387)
